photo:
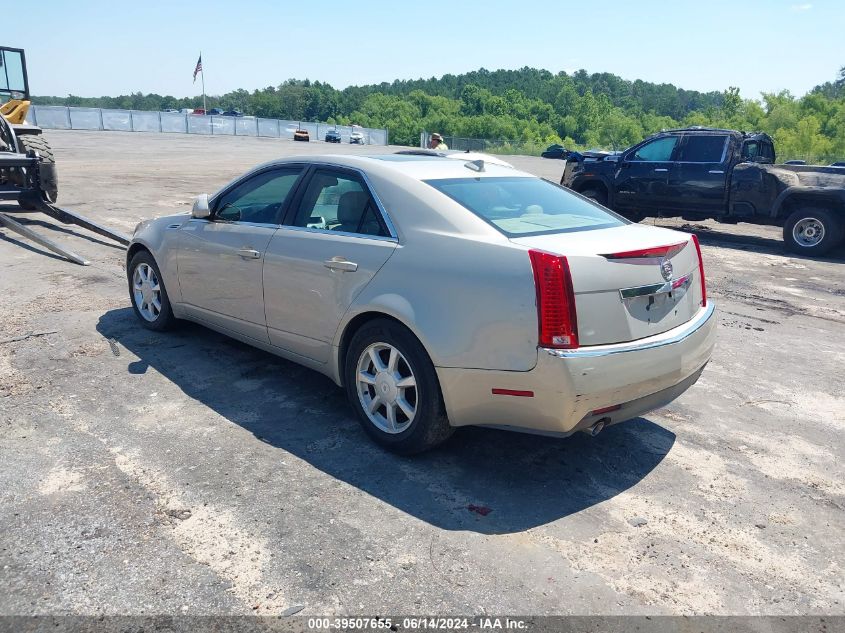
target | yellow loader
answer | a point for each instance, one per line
(27, 166)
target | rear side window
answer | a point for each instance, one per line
(526, 206)
(337, 201)
(703, 149)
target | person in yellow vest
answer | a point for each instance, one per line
(436, 142)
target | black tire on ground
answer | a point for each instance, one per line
(813, 230)
(165, 319)
(430, 426)
(49, 177)
(598, 195)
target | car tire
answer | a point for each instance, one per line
(812, 231)
(381, 401)
(596, 195)
(145, 286)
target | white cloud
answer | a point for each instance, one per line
(802, 7)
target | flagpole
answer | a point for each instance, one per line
(202, 72)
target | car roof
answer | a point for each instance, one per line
(700, 129)
(418, 167)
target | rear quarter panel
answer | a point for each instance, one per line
(471, 304)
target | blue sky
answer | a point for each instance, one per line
(96, 47)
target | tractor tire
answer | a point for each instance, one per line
(49, 177)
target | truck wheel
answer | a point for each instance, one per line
(812, 231)
(49, 177)
(597, 195)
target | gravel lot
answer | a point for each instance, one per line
(188, 473)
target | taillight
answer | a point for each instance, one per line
(700, 270)
(558, 323)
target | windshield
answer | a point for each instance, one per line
(526, 206)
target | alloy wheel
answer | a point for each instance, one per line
(387, 388)
(146, 292)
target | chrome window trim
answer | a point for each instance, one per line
(391, 228)
(237, 222)
(658, 340)
(364, 236)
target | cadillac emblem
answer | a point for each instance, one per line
(666, 269)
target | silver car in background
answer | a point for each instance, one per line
(439, 293)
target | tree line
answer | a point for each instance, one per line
(533, 107)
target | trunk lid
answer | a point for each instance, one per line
(620, 299)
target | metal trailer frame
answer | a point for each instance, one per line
(30, 193)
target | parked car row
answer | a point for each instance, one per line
(211, 112)
(299, 134)
(332, 136)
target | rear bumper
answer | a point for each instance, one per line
(568, 385)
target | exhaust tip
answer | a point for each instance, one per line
(596, 428)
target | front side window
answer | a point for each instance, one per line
(526, 206)
(704, 149)
(658, 150)
(11, 72)
(258, 199)
(339, 201)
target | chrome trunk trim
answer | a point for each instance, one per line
(669, 337)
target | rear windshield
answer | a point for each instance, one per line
(526, 206)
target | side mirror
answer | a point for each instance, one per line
(200, 209)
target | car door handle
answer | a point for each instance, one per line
(340, 264)
(716, 171)
(660, 169)
(249, 253)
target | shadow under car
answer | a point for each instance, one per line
(523, 480)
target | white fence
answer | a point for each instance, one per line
(69, 118)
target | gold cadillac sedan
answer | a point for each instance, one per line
(437, 292)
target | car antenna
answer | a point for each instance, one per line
(475, 165)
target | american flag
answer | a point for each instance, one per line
(198, 69)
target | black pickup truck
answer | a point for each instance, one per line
(729, 176)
